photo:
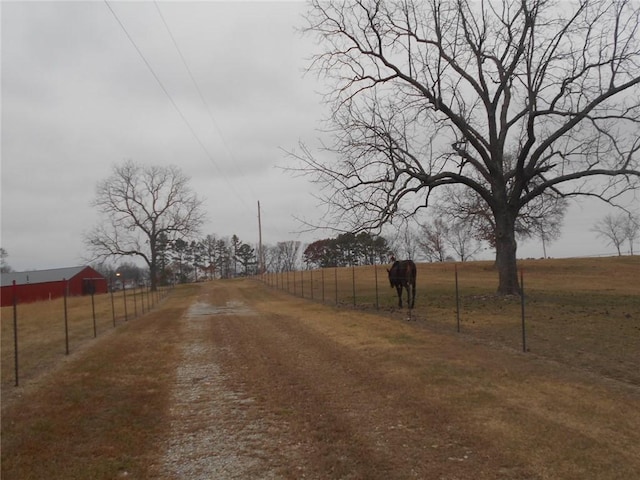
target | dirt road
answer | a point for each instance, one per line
(270, 386)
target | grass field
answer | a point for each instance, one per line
(582, 312)
(93, 414)
(42, 336)
(566, 409)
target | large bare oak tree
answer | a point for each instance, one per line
(143, 208)
(511, 99)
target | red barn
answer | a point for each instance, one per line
(48, 284)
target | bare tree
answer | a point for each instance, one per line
(270, 258)
(616, 229)
(462, 241)
(632, 229)
(547, 222)
(426, 94)
(433, 240)
(284, 256)
(405, 244)
(143, 207)
(290, 251)
(541, 218)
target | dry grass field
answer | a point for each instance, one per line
(291, 388)
(581, 312)
(43, 339)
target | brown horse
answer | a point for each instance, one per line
(403, 274)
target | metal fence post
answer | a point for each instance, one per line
(113, 308)
(124, 295)
(15, 329)
(524, 335)
(457, 298)
(66, 319)
(375, 271)
(353, 282)
(93, 312)
(142, 299)
(135, 305)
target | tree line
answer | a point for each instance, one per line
(439, 240)
(208, 258)
(219, 257)
(151, 214)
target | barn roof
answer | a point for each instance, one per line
(41, 276)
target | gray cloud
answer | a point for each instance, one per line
(77, 98)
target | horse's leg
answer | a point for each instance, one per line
(399, 290)
(413, 294)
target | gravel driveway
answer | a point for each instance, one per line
(261, 394)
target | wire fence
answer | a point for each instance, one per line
(363, 287)
(36, 335)
(581, 312)
(577, 311)
(338, 285)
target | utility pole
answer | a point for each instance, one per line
(260, 256)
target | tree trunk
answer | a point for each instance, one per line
(506, 255)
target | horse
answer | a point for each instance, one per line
(403, 274)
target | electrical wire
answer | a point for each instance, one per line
(215, 124)
(174, 104)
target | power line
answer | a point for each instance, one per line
(175, 106)
(215, 124)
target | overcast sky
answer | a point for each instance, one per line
(77, 97)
